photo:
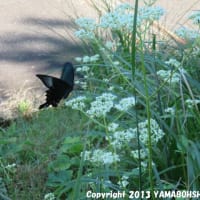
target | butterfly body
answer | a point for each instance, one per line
(58, 88)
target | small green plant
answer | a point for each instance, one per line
(24, 108)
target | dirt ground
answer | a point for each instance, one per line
(37, 37)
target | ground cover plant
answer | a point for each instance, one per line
(133, 125)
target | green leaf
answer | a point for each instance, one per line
(72, 145)
(61, 163)
(59, 178)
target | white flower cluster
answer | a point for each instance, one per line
(84, 68)
(170, 110)
(83, 84)
(168, 76)
(49, 196)
(110, 45)
(112, 127)
(156, 132)
(191, 102)
(195, 51)
(174, 63)
(124, 181)
(76, 103)
(195, 17)
(100, 156)
(102, 105)
(125, 104)
(121, 138)
(116, 63)
(143, 153)
(150, 13)
(88, 59)
(83, 34)
(87, 26)
(11, 166)
(86, 23)
(187, 33)
(119, 18)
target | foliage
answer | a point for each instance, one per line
(134, 123)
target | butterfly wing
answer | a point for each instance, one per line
(67, 74)
(46, 80)
(58, 89)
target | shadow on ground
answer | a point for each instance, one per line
(41, 47)
(48, 46)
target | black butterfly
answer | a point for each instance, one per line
(58, 87)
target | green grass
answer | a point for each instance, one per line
(32, 144)
(136, 125)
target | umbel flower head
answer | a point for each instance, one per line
(100, 156)
(121, 138)
(125, 104)
(102, 105)
(77, 103)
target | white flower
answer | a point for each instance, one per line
(101, 105)
(77, 82)
(195, 16)
(124, 181)
(110, 44)
(76, 103)
(86, 154)
(106, 80)
(170, 110)
(83, 84)
(169, 76)
(87, 26)
(78, 59)
(125, 104)
(86, 23)
(83, 34)
(116, 63)
(111, 88)
(120, 18)
(78, 69)
(173, 62)
(191, 102)
(11, 166)
(150, 13)
(94, 58)
(101, 156)
(112, 127)
(143, 153)
(156, 132)
(187, 33)
(144, 164)
(89, 59)
(195, 51)
(121, 138)
(84, 68)
(86, 59)
(49, 196)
